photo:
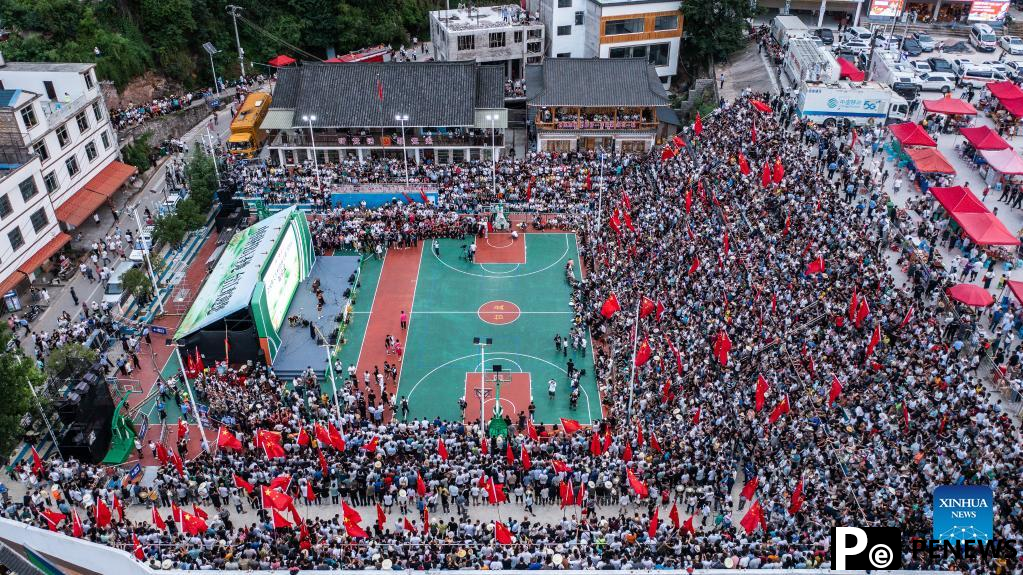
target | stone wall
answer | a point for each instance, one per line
(702, 89)
(170, 126)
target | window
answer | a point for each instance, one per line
(28, 117)
(5, 206)
(63, 138)
(72, 166)
(533, 47)
(40, 149)
(50, 180)
(564, 3)
(106, 140)
(564, 55)
(97, 111)
(83, 122)
(518, 37)
(88, 80)
(662, 23)
(467, 42)
(564, 30)
(630, 26)
(659, 54)
(16, 239)
(578, 18)
(628, 52)
(39, 220)
(90, 151)
(497, 39)
(535, 33)
(28, 188)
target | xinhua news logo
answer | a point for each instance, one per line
(963, 513)
(866, 548)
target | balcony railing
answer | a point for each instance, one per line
(57, 111)
(390, 141)
(597, 125)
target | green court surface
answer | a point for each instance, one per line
(369, 277)
(445, 318)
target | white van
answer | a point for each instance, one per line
(114, 293)
(980, 76)
(983, 38)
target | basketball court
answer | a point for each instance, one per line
(515, 294)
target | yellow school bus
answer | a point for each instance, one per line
(246, 136)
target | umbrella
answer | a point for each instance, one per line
(970, 294)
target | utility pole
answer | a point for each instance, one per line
(233, 11)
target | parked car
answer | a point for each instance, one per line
(959, 65)
(943, 82)
(925, 40)
(996, 65)
(912, 47)
(982, 37)
(921, 66)
(1014, 70)
(979, 76)
(826, 35)
(856, 33)
(939, 64)
(1011, 44)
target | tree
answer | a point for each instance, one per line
(169, 229)
(137, 283)
(17, 372)
(70, 360)
(202, 180)
(721, 29)
(137, 152)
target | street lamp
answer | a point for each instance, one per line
(191, 399)
(404, 150)
(483, 342)
(11, 348)
(330, 349)
(149, 262)
(493, 150)
(312, 142)
(211, 50)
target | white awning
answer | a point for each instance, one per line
(278, 120)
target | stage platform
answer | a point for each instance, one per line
(298, 350)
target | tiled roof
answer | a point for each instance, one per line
(430, 93)
(598, 82)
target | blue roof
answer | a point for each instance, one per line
(9, 97)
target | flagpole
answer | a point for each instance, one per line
(203, 444)
(632, 373)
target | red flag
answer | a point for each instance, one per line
(667, 153)
(862, 312)
(426, 520)
(524, 455)
(322, 437)
(677, 141)
(696, 416)
(303, 437)
(175, 512)
(651, 531)
(241, 483)
(653, 443)
(380, 90)
(854, 303)
(76, 524)
(182, 429)
(905, 416)
(753, 133)
(762, 387)
(227, 440)
(531, 430)
(37, 462)
(627, 454)
(689, 200)
(192, 525)
(567, 494)
(420, 485)
(695, 266)
(610, 306)
(281, 483)
(502, 533)
(102, 514)
(781, 409)
(485, 446)
(836, 389)
(381, 518)
(765, 176)
(570, 425)
(615, 222)
(371, 447)
(673, 515)
(279, 521)
(607, 439)
(788, 224)
(816, 266)
(199, 512)
(760, 106)
(743, 165)
(408, 526)
(336, 441)
(779, 171)
(495, 493)
(698, 125)
(158, 520)
(442, 449)
(509, 455)
(874, 339)
(678, 356)
(137, 549)
(580, 498)
(750, 489)
(310, 493)
(350, 512)
(643, 353)
(275, 499)
(753, 518)
(905, 320)
(352, 528)
(646, 307)
(595, 445)
(687, 527)
(161, 454)
(638, 486)
(659, 310)
(796, 501)
(722, 345)
(628, 221)
(323, 461)
(53, 518)
(560, 467)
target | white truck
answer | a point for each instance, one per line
(785, 28)
(805, 61)
(887, 70)
(858, 104)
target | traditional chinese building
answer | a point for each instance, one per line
(585, 104)
(438, 111)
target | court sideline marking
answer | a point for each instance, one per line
(408, 331)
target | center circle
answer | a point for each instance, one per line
(499, 312)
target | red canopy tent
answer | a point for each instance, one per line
(1016, 288)
(980, 225)
(970, 294)
(1005, 161)
(984, 138)
(911, 134)
(282, 60)
(847, 69)
(949, 105)
(1005, 90)
(930, 161)
(1013, 105)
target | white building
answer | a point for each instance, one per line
(57, 161)
(505, 35)
(648, 29)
